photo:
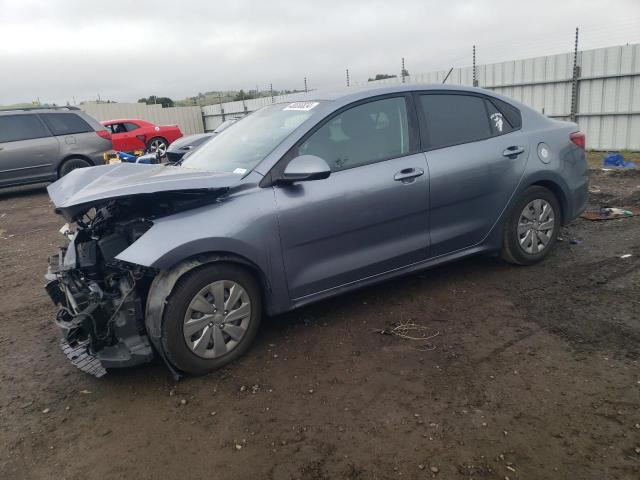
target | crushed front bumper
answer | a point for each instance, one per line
(101, 328)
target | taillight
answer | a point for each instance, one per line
(104, 134)
(579, 139)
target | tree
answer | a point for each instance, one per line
(382, 76)
(241, 95)
(152, 99)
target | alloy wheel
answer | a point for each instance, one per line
(158, 145)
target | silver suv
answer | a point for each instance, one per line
(44, 144)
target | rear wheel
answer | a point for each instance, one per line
(211, 318)
(158, 145)
(532, 227)
(72, 164)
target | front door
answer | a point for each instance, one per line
(370, 215)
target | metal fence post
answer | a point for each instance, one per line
(574, 81)
(475, 78)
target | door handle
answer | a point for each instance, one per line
(513, 151)
(407, 174)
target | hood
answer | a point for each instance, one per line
(82, 188)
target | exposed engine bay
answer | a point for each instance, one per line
(101, 299)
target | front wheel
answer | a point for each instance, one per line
(211, 318)
(532, 226)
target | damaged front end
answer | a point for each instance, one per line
(101, 300)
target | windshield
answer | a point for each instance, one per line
(241, 148)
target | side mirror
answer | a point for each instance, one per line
(304, 168)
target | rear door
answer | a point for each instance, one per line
(28, 152)
(370, 215)
(477, 155)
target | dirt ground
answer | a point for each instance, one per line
(532, 373)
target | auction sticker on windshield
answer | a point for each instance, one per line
(301, 106)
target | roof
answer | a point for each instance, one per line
(368, 90)
(126, 120)
(37, 109)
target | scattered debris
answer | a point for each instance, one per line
(46, 410)
(626, 255)
(183, 401)
(408, 331)
(85, 392)
(610, 213)
(434, 469)
(243, 388)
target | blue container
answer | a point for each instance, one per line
(615, 159)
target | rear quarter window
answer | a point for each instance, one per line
(511, 113)
(14, 128)
(65, 123)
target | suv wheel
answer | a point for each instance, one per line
(532, 227)
(211, 318)
(72, 164)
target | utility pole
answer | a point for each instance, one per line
(574, 80)
(403, 70)
(271, 91)
(475, 78)
(347, 77)
(305, 85)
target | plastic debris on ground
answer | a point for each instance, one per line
(615, 159)
(611, 213)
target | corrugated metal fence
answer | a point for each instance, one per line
(189, 119)
(608, 106)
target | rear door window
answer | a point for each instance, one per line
(131, 126)
(361, 135)
(451, 119)
(65, 123)
(21, 127)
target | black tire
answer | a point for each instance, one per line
(512, 250)
(72, 164)
(173, 339)
(152, 149)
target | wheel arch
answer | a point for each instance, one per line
(166, 280)
(559, 193)
(72, 156)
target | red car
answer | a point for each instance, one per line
(129, 135)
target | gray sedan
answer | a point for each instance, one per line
(299, 202)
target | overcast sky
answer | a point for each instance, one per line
(126, 49)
